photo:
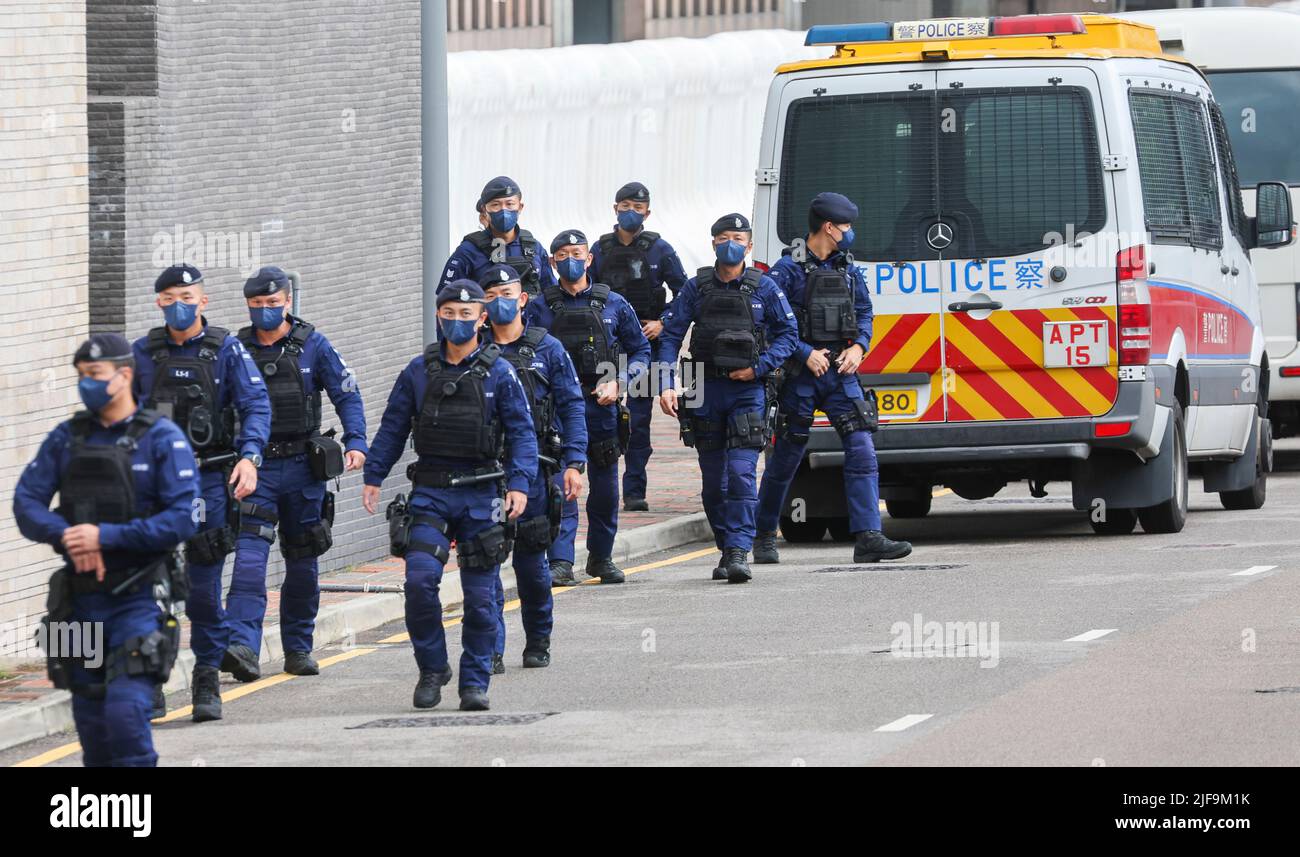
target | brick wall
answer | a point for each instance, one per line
(43, 270)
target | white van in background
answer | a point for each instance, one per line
(1252, 59)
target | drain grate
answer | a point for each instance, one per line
(881, 566)
(1280, 690)
(456, 720)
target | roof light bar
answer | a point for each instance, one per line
(841, 34)
(1038, 25)
(942, 29)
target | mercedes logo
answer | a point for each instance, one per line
(939, 235)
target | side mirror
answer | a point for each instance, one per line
(1273, 224)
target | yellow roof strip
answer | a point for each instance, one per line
(1107, 38)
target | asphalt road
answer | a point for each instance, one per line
(1166, 650)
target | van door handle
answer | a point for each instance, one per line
(971, 306)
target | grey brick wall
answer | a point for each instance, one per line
(291, 132)
(105, 130)
(121, 48)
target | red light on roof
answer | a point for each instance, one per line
(1038, 25)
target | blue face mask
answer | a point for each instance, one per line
(846, 239)
(180, 315)
(571, 269)
(504, 220)
(94, 393)
(266, 317)
(457, 330)
(630, 220)
(730, 252)
(502, 310)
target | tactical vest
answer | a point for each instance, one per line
(98, 485)
(581, 330)
(536, 387)
(827, 318)
(726, 337)
(185, 389)
(295, 413)
(524, 265)
(456, 419)
(626, 267)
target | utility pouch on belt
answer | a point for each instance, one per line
(733, 349)
(687, 429)
(324, 457)
(603, 453)
(624, 427)
(870, 411)
(488, 548)
(747, 431)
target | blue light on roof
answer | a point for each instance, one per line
(841, 34)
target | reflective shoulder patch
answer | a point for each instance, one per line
(140, 468)
(179, 444)
(185, 474)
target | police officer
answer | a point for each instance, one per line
(637, 264)
(463, 403)
(127, 483)
(201, 376)
(296, 362)
(831, 301)
(744, 331)
(547, 376)
(501, 241)
(603, 336)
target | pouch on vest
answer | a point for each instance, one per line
(324, 457)
(733, 349)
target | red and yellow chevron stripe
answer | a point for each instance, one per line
(992, 369)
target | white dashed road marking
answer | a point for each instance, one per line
(1254, 569)
(1094, 634)
(905, 722)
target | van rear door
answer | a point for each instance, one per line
(1025, 233)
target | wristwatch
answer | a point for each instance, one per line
(254, 457)
(580, 466)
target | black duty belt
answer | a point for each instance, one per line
(429, 478)
(85, 583)
(284, 448)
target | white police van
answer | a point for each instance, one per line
(1258, 88)
(1054, 241)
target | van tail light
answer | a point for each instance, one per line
(1134, 307)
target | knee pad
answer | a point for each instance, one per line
(534, 535)
(603, 453)
(210, 547)
(264, 531)
(794, 429)
(488, 548)
(747, 431)
(308, 544)
(151, 655)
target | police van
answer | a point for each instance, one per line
(1055, 245)
(1259, 92)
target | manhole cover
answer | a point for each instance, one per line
(883, 566)
(1280, 690)
(455, 720)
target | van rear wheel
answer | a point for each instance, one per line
(1254, 496)
(1118, 522)
(801, 532)
(1171, 515)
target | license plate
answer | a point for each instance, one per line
(897, 402)
(1076, 344)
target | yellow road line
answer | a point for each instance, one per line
(65, 750)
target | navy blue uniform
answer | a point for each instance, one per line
(114, 730)
(468, 510)
(729, 472)
(468, 262)
(556, 378)
(297, 497)
(665, 270)
(834, 394)
(623, 327)
(239, 385)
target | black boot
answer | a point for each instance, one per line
(159, 707)
(765, 552)
(562, 573)
(205, 694)
(428, 690)
(872, 546)
(473, 699)
(720, 573)
(498, 664)
(635, 504)
(241, 662)
(605, 569)
(537, 653)
(300, 663)
(737, 569)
